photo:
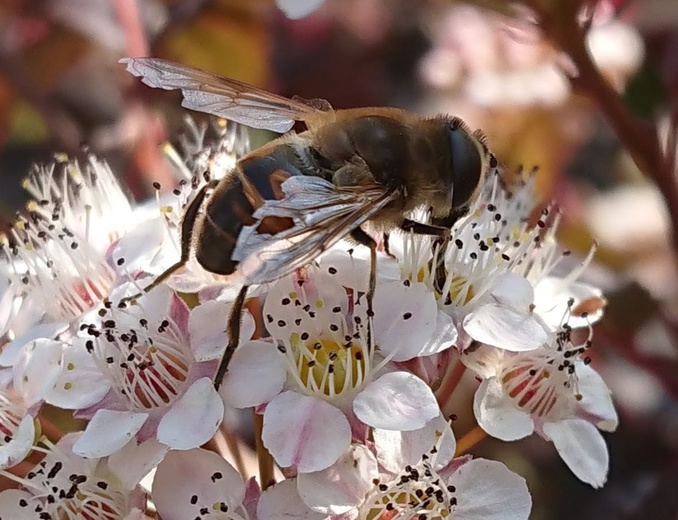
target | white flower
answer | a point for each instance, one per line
(474, 283)
(17, 422)
(64, 485)
(319, 376)
(413, 474)
(143, 371)
(198, 483)
(80, 238)
(556, 290)
(553, 391)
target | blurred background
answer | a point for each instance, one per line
(61, 88)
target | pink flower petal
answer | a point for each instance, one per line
(20, 444)
(13, 349)
(404, 318)
(596, 398)
(582, 448)
(551, 301)
(342, 486)
(443, 336)
(257, 374)
(488, 490)
(80, 383)
(512, 290)
(187, 481)
(305, 432)
(395, 449)
(107, 432)
(10, 501)
(36, 370)
(497, 415)
(194, 418)
(396, 401)
(207, 328)
(505, 327)
(139, 245)
(134, 461)
(282, 502)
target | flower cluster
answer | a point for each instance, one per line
(350, 407)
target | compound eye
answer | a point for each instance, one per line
(466, 165)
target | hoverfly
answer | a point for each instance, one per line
(288, 201)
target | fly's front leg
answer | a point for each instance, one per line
(387, 246)
(441, 243)
(363, 238)
(419, 228)
(187, 226)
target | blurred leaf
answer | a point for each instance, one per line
(25, 124)
(227, 38)
(531, 136)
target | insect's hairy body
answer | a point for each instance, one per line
(387, 147)
(313, 189)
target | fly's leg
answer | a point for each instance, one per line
(387, 248)
(363, 238)
(187, 227)
(234, 326)
(441, 243)
(419, 228)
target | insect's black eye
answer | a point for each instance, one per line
(466, 165)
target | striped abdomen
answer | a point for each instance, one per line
(231, 205)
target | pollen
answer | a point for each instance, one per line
(326, 367)
(418, 492)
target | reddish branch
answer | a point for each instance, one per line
(559, 22)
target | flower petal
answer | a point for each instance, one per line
(194, 418)
(107, 432)
(12, 350)
(596, 398)
(551, 299)
(19, 445)
(134, 461)
(12, 505)
(488, 490)
(582, 448)
(444, 336)
(505, 327)
(256, 376)
(342, 486)
(80, 383)
(497, 415)
(36, 369)
(395, 449)
(187, 481)
(139, 245)
(512, 290)
(404, 318)
(282, 502)
(207, 328)
(305, 432)
(396, 401)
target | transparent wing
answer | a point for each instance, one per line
(227, 98)
(322, 213)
